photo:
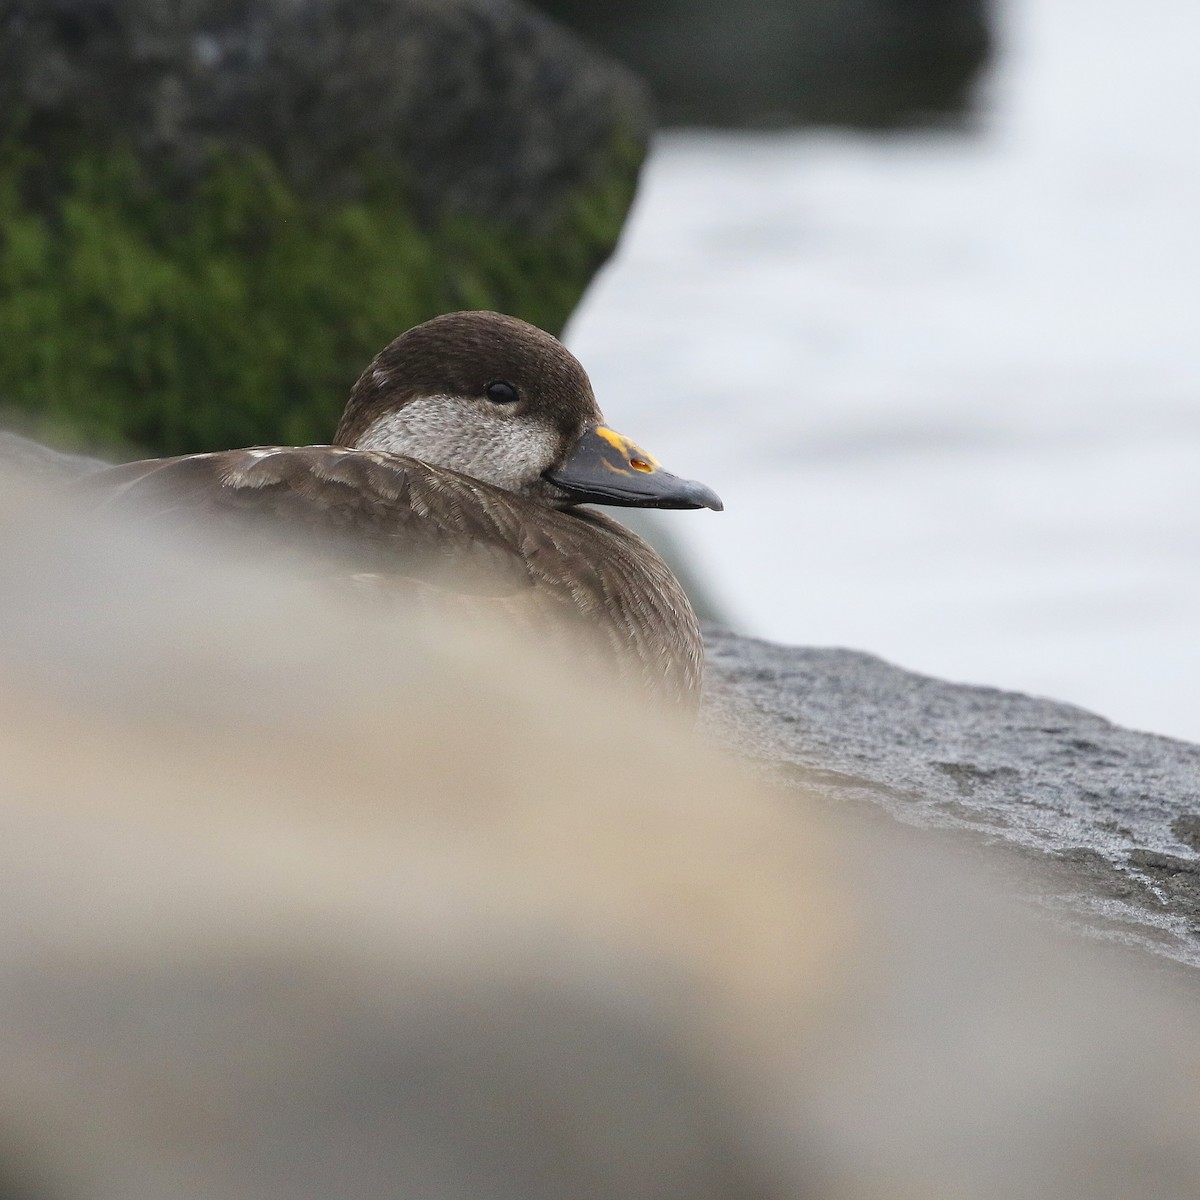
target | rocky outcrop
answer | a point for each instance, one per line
(299, 899)
(484, 108)
(250, 199)
(30, 460)
(874, 63)
(1110, 818)
(1103, 821)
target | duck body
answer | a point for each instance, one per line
(464, 454)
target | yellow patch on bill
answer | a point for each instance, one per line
(637, 457)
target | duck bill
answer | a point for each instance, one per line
(605, 467)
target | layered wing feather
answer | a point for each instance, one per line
(574, 575)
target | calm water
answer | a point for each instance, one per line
(948, 385)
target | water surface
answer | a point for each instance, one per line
(948, 384)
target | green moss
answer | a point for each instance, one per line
(236, 312)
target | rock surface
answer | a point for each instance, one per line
(487, 106)
(875, 63)
(40, 463)
(299, 906)
(1108, 817)
(214, 213)
(1112, 816)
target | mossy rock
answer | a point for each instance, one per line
(213, 214)
(140, 312)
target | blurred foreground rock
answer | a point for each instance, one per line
(1110, 816)
(24, 459)
(300, 899)
(249, 200)
(873, 63)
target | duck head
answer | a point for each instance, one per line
(504, 402)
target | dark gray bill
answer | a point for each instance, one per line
(605, 467)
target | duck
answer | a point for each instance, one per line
(466, 466)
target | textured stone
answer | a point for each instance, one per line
(485, 106)
(777, 62)
(299, 899)
(40, 463)
(214, 212)
(1108, 817)
(1110, 813)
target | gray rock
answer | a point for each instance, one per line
(250, 197)
(31, 460)
(487, 107)
(774, 62)
(295, 906)
(1111, 816)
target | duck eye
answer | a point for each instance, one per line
(500, 392)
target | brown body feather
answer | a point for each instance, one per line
(568, 574)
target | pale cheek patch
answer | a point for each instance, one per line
(447, 431)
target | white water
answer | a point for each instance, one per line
(948, 385)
